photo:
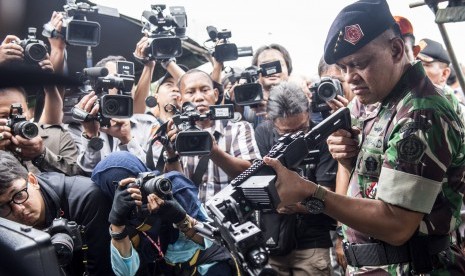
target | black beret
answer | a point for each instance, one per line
(431, 51)
(355, 26)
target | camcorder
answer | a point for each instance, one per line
(19, 124)
(111, 106)
(226, 51)
(191, 140)
(251, 92)
(149, 183)
(35, 50)
(323, 91)
(66, 239)
(165, 31)
(254, 189)
(76, 30)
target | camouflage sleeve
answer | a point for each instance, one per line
(420, 149)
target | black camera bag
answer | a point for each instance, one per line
(279, 232)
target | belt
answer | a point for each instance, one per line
(381, 253)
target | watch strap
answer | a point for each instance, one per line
(320, 193)
(117, 236)
(39, 160)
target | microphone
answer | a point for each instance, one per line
(95, 72)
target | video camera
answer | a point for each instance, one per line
(66, 239)
(251, 92)
(35, 50)
(165, 31)
(254, 189)
(111, 106)
(323, 91)
(149, 183)
(19, 124)
(191, 140)
(76, 30)
(226, 51)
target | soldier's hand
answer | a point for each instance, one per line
(344, 147)
(340, 257)
(290, 186)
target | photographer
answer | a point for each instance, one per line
(170, 220)
(230, 155)
(265, 54)
(52, 148)
(305, 247)
(123, 134)
(37, 199)
(405, 192)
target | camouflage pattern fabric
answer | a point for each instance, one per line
(413, 156)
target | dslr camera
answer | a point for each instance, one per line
(66, 239)
(111, 106)
(251, 92)
(149, 183)
(76, 30)
(165, 31)
(226, 51)
(35, 50)
(191, 140)
(19, 125)
(323, 91)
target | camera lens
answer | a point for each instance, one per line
(36, 52)
(158, 185)
(63, 245)
(26, 129)
(327, 91)
(111, 107)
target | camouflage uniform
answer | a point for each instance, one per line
(413, 156)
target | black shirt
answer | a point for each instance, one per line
(312, 231)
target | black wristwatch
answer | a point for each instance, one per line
(316, 203)
(170, 160)
(39, 160)
(117, 236)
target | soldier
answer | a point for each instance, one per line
(406, 188)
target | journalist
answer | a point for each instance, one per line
(299, 242)
(95, 142)
(234, 145)
(406, 189)
(180, 249)
(37, 199)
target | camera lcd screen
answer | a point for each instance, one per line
(221, 112)
(83, 33)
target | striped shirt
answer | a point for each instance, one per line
(235, 138)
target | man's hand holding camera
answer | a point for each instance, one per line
(140, 52)
(27, 149)
(88, 104)
(5, 134)
(56, 21)
(119, 128)
(10, 50)
(125, 200)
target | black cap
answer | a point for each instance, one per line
(355, 26)
(432, 51)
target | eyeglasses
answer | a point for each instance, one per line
(18, 198)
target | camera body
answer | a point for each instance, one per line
(165, 31)
(19, 124)
(149, 183)
(323, 91)
(191, 140)
(66, 238)
(251, 92)
(35, 50)
(76, 30)
(226, 51)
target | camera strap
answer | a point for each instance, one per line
(202, 166)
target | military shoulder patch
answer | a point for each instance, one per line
(410, 149)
